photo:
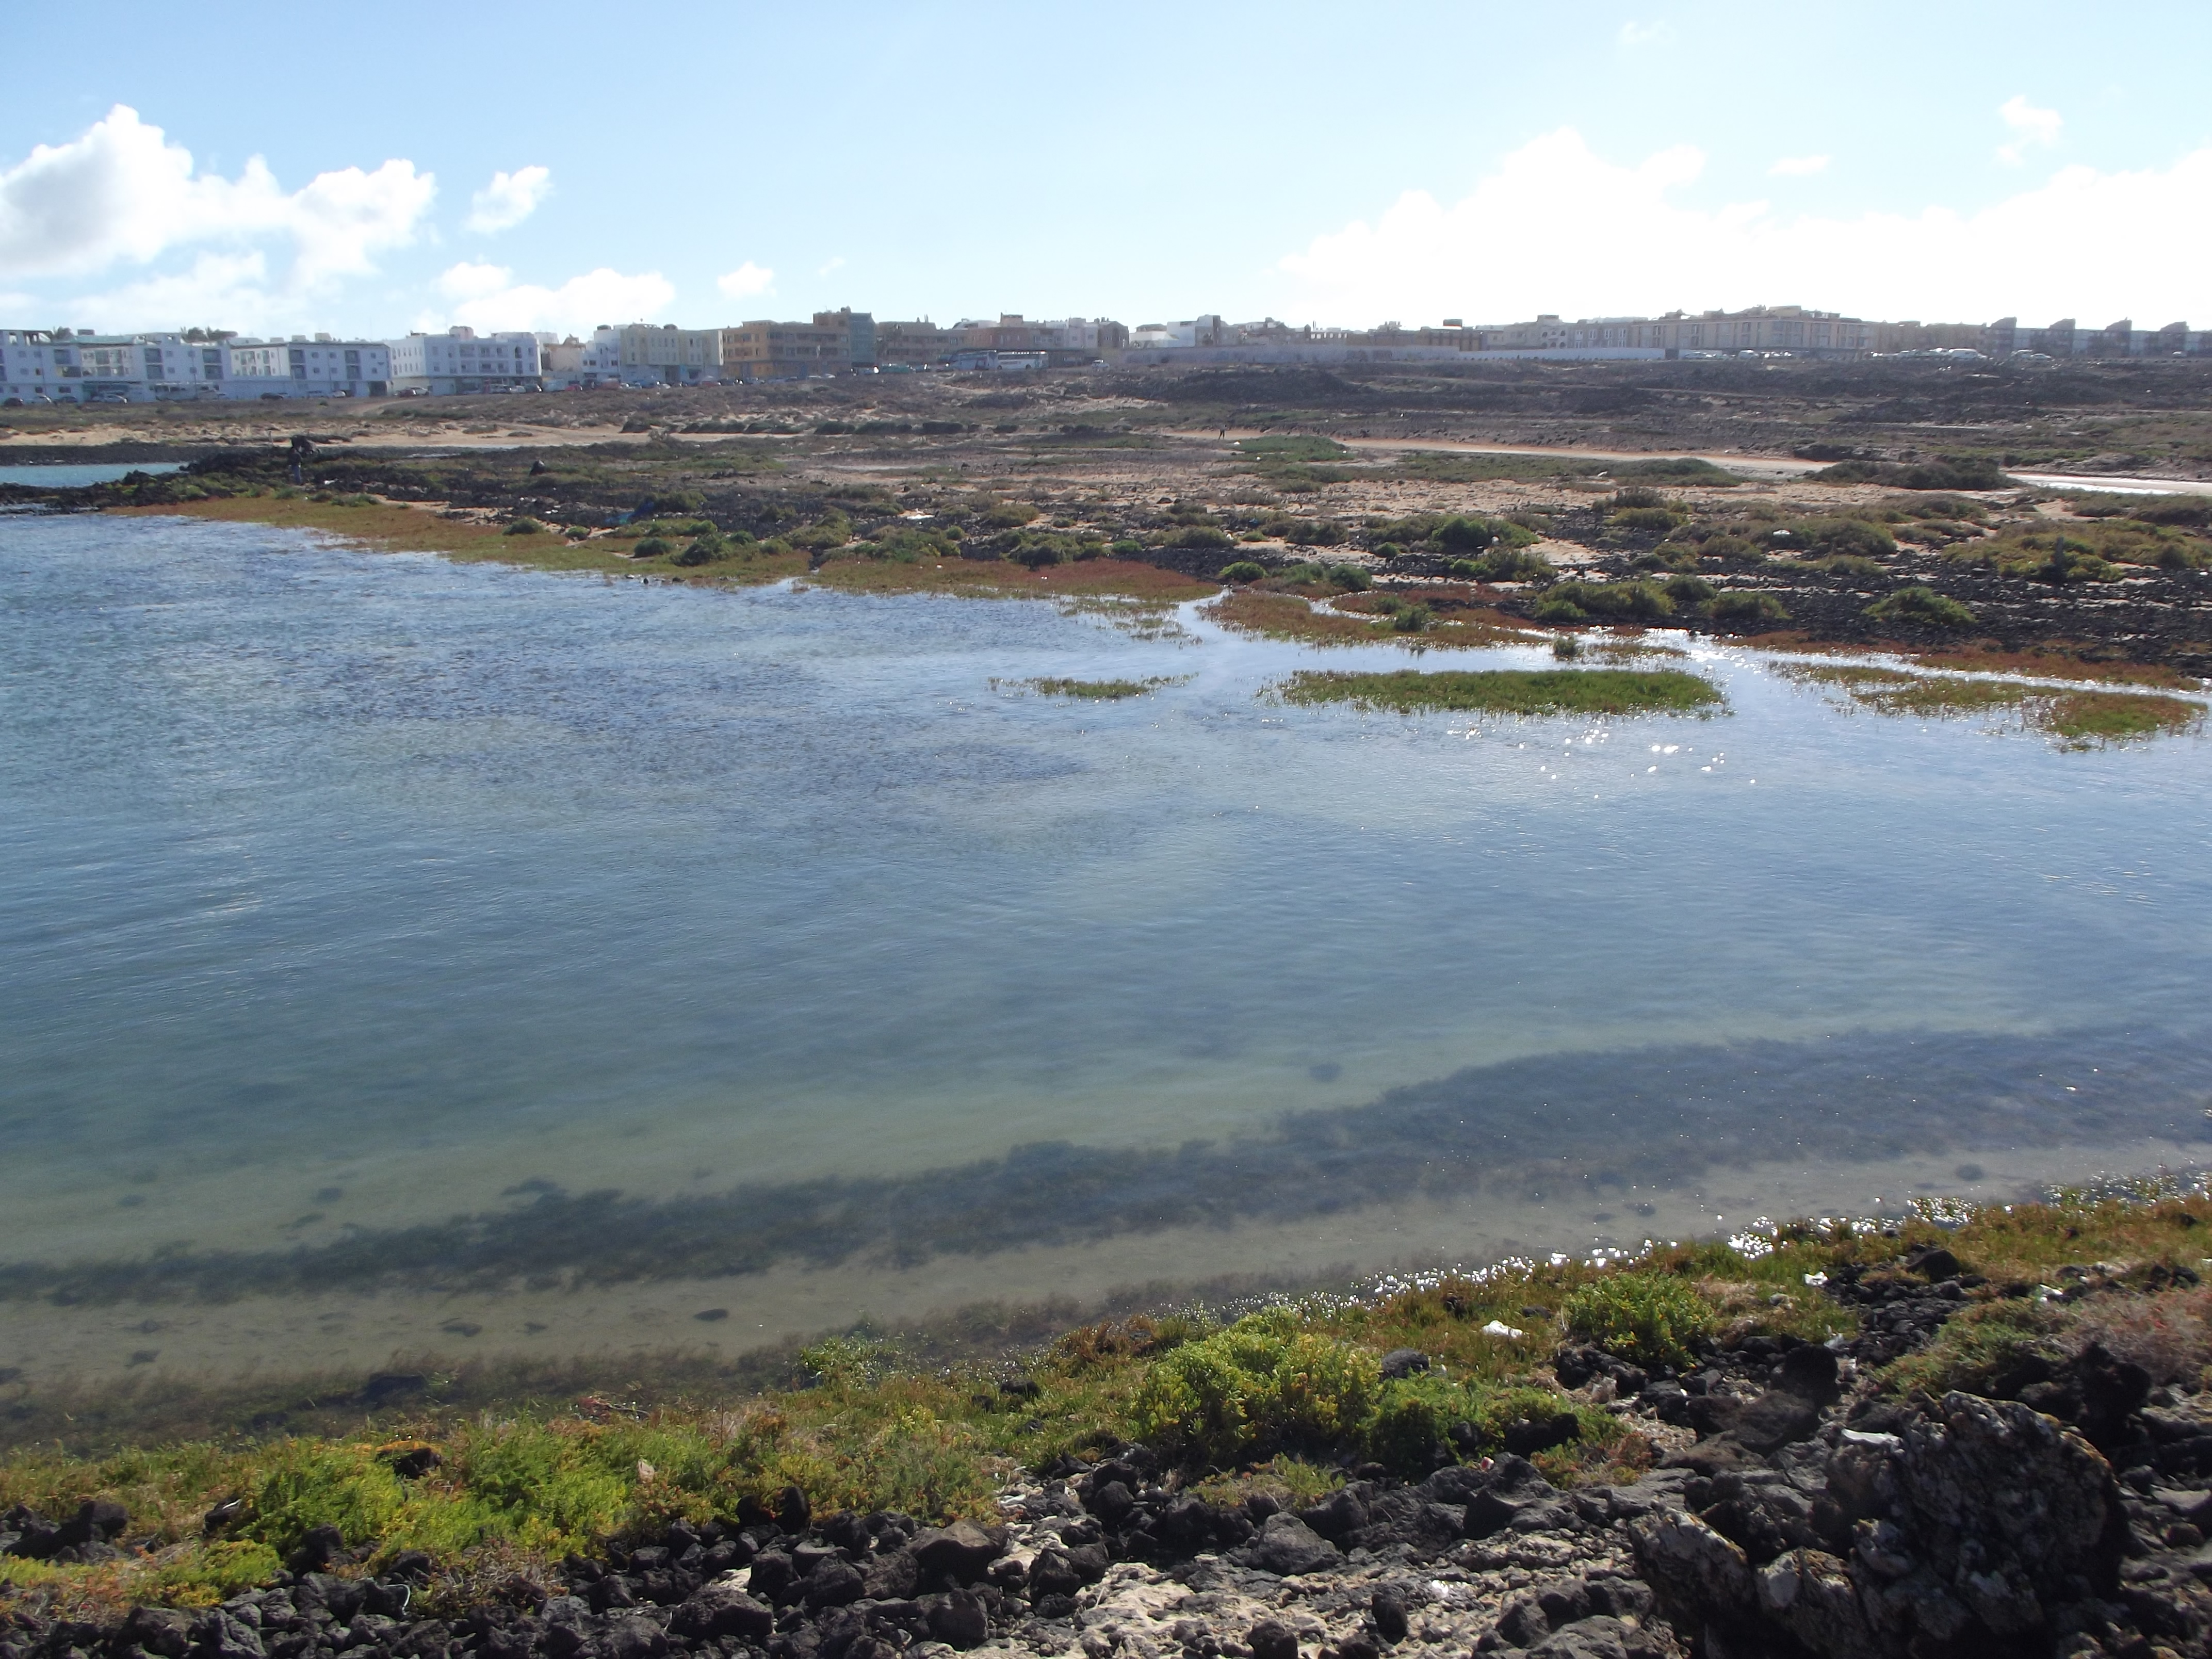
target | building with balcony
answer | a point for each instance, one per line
(462, 360)
(789, 352)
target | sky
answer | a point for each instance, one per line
(558, 165)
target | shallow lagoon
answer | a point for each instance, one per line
(348, 894)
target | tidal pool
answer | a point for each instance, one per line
(380, 936)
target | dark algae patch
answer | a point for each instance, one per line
(1513, 691)
(1548, 1125)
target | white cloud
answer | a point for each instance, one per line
(1633, 34)
(1559, 229)
(836, 263)
(123, 193)
(508, 199)
(2031, 128)
(747, 279)
(229, 290)
(1798, 167)
(486, 297)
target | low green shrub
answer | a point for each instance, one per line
(1745, 608)
(1316, 532)
(1689, 591)
(1643, 601)
(1200, 537)
(1653, 1319)
(1262, 1386)
(1009, 515)
(826, 534)
(1244, 570)
(1840, 537)
(651, 548)
(1945, 473)
(1659, 519)
(524, 527)
(1922, 607)
(705, 550)
(1503, 564)
(2072, 564)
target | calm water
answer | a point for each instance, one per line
(67, 476)
(345, 894)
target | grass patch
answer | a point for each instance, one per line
(1094, 691)
(1513, 691)
(1287, 617)
(1293, 448)
(2082, 719)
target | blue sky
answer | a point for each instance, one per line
(283, 168)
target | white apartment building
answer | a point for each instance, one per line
(35, 364)
(460, 360)
(78, 366)
(303, 367)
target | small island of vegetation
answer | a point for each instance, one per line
(1513, 691)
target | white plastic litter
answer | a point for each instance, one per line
(1499, 1327)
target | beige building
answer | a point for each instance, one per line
(787, 351)
(676, 356)
(1762, 328)
(919, 344)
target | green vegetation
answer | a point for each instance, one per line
(2093, 550)
(1334, 577)
(1094, 691)
(2083, 719)
(1679, 470)
(1923, 607)
(1650, 1318)
(1636, 601)
(1991, 1349)
(1275, 1400)
(1200, 537)
(1293, 448)
(1657, 519)
(1244, 570)
(1263, 1385)
(1945, 473)
(1503, 564)
(525, 527)
(1511, 692)
(652, 547)
(1742, 609)
(1837, 537)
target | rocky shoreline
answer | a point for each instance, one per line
(1793, 1508)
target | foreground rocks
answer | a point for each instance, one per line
(1793, 1512)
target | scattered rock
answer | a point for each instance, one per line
(1287, 1545)
(1404, 1362)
